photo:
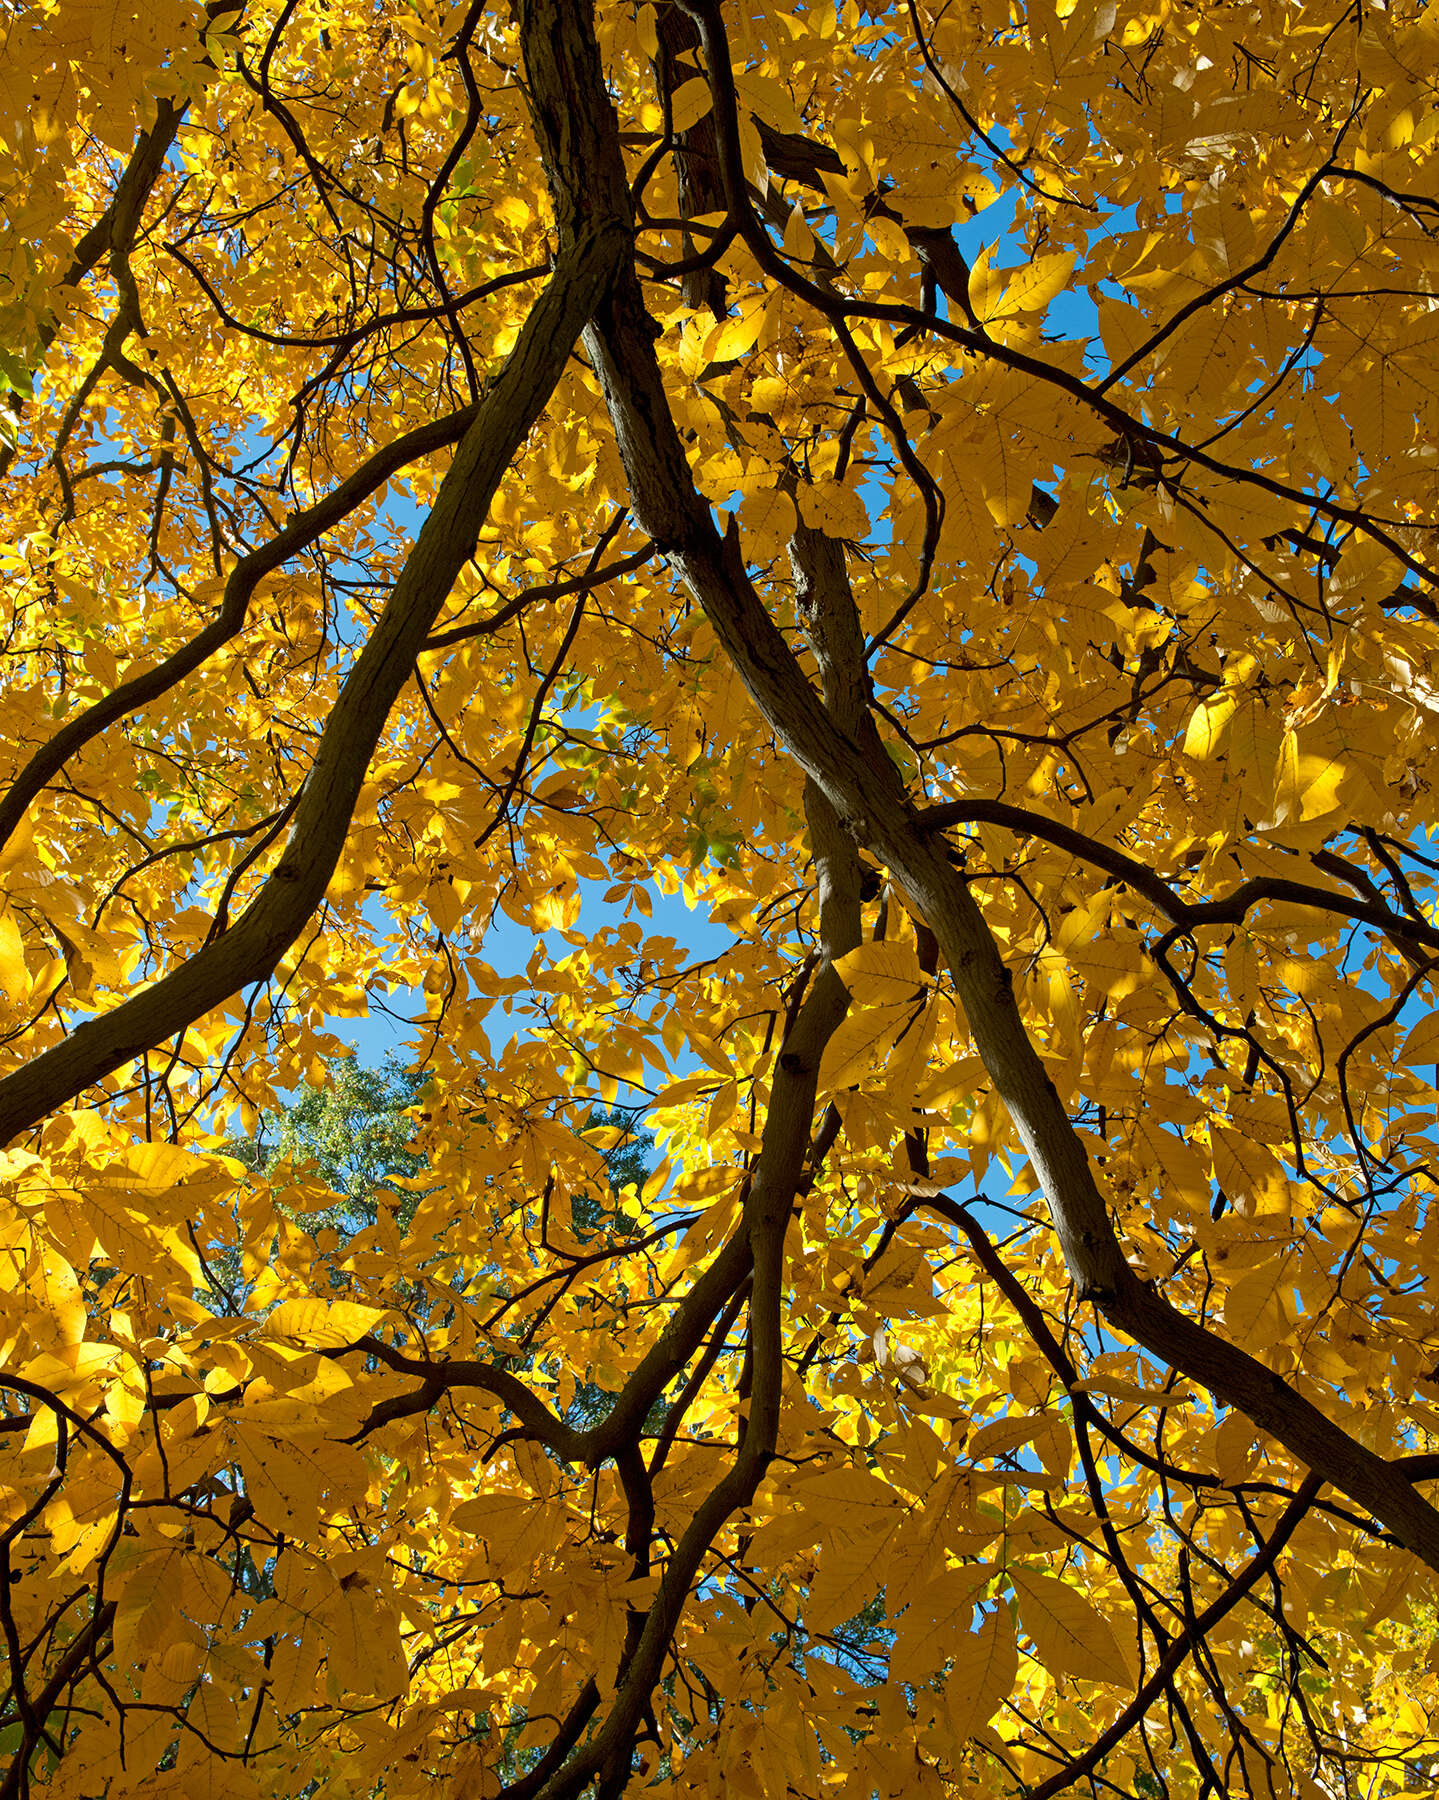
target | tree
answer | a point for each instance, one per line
(951, 491)
(355, 1131)
(354, 1134)
(351, 1138)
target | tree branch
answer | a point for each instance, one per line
(253, 946)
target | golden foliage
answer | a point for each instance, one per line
(949, 491)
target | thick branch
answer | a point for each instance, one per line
(868, 796)
(1189, 915)
(438, 1378)
(250, 950)
(580, 145)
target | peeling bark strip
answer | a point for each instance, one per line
(574, 117)
(251, 949)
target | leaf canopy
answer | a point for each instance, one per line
(892, 547)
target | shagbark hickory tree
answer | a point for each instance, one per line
(951, 488)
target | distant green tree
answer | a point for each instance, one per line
(353, 1134)
(627, 1163)
(356, 1137)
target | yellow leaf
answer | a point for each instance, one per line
(1209, 724)
(1421, 1042)
(503, 1521)
(1132, 1393)
(860, 1042)
(834, 509)
(295, 1668)
(76, 1367)
(362, 1637)
(1249, 1172)
(934, 1628)
(1003, 1436)
(323, 1324)
(180, 1662)
(901, 1286)
(647, 30)
(556, 910)
(708, 1051)
(689, 1088)
(155, 1168)
(1111, 962)
(850, 1574)
(982, 1674)
(1071, 1637)
(150, 1591)
(1259, 1308)
(985, 283)
(881, 972)
(14, 976)
(282, 1482)
(1037, 283)
(52, 1295)
(690, 102)
(1306, 786)
(512, 211)
(735, 337)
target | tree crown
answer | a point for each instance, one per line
(950, 492)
